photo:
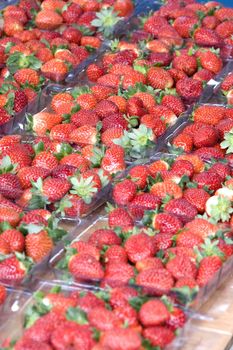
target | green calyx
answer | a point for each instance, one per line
(105, 21)
(84, 188)
(77, 315)
(137, 141)
(18, 60)
(6, 166)
(228, 142)
(222, 209)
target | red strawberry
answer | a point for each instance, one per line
(166, 223)
(159, 336)
(207, 269)
(84, 135)
(4, 116)
(124, 192)
(94, 72)
(155, 281)
(61, 132)
(139, 175)
(113, 160)
(48, 19)
(85, 117)
(177, 319)
(209, 179)
(63, 171)
(153, 313)
(118, 274)
(54, 189)
(206, 136)
(15, 240)
(181, 208)
(105, 108)
(103, 319)
(28, 174)
(3, 294)
(189, 88)
(71, 13)
(181, 266)
(149, 263)
(141, 203)
(121, 339)
(114, 120)
(115, 254)
(45, 160)
(38, 245)
(159, 78)
(12, 270)
(10, 186)
(186, 63)
(174, 103)
(139, 246)
(104, 237)
(182, 167)
(111, 134)
(84, 266)
(120, 218)
(206, 37)
(184, 25)
(197, 197)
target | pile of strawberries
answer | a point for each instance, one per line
(44, 40)
(168, 227)
(119, 319)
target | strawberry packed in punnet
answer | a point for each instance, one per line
(171, 226)
(116, 180)
(44, 40)
(118, 319)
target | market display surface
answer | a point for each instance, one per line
(116, 182)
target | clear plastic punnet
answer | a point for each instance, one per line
(24, 311)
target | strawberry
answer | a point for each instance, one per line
(182, 209)
(224, 14)
(135, 107)
(208, 153)
(59, 303)
(44, 121)
(209, 114)
(182, 167)
(227, 83)
(124, 192)
(209, 179)
(14, 239)
(20, 101)
(184, 25)
(149, 263)
(210, 22)
(158, 78)
(206, 136)
(115, 254)
(45, 160)
(10, 215)
(155, 281)
(186, 281)
(181, 266)
(166, 223)
(159, 336)
(118, 274)
(186, 63)
(61, 132)
(121, 339)
(210, 61)
(189, 88)
(38, 245)
(84, 266)
(63, 171)
(183, 141)
(139, 175)
(94, 72)
(188, 239)
(48, 19)
(4, 116)
(141, 203)
(162, 189)
(203, 75)
(89, 301)
(86, 248)
(119, 101)
(10, 186)
(104, 237)
(103, 319)
(113, 160)
(53, 189)
(12, 26)
(105, 108)
(4, 247)
(153, 313)
(62, 103)
(3, 294)
(120, 218)
(12, 270)
(138, 247)
(55, 69)
(208, 267)
(174, 103)
(197, 197)
(71, 13)
(26, 76)
(201, 227)
(109, 136)
(73, 35)
(206, 37)
(76, 160)
(32, 173)
(113, 121)
(68, 333)
(85, 135)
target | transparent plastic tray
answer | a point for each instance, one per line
(83, 233)
(18, 302)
